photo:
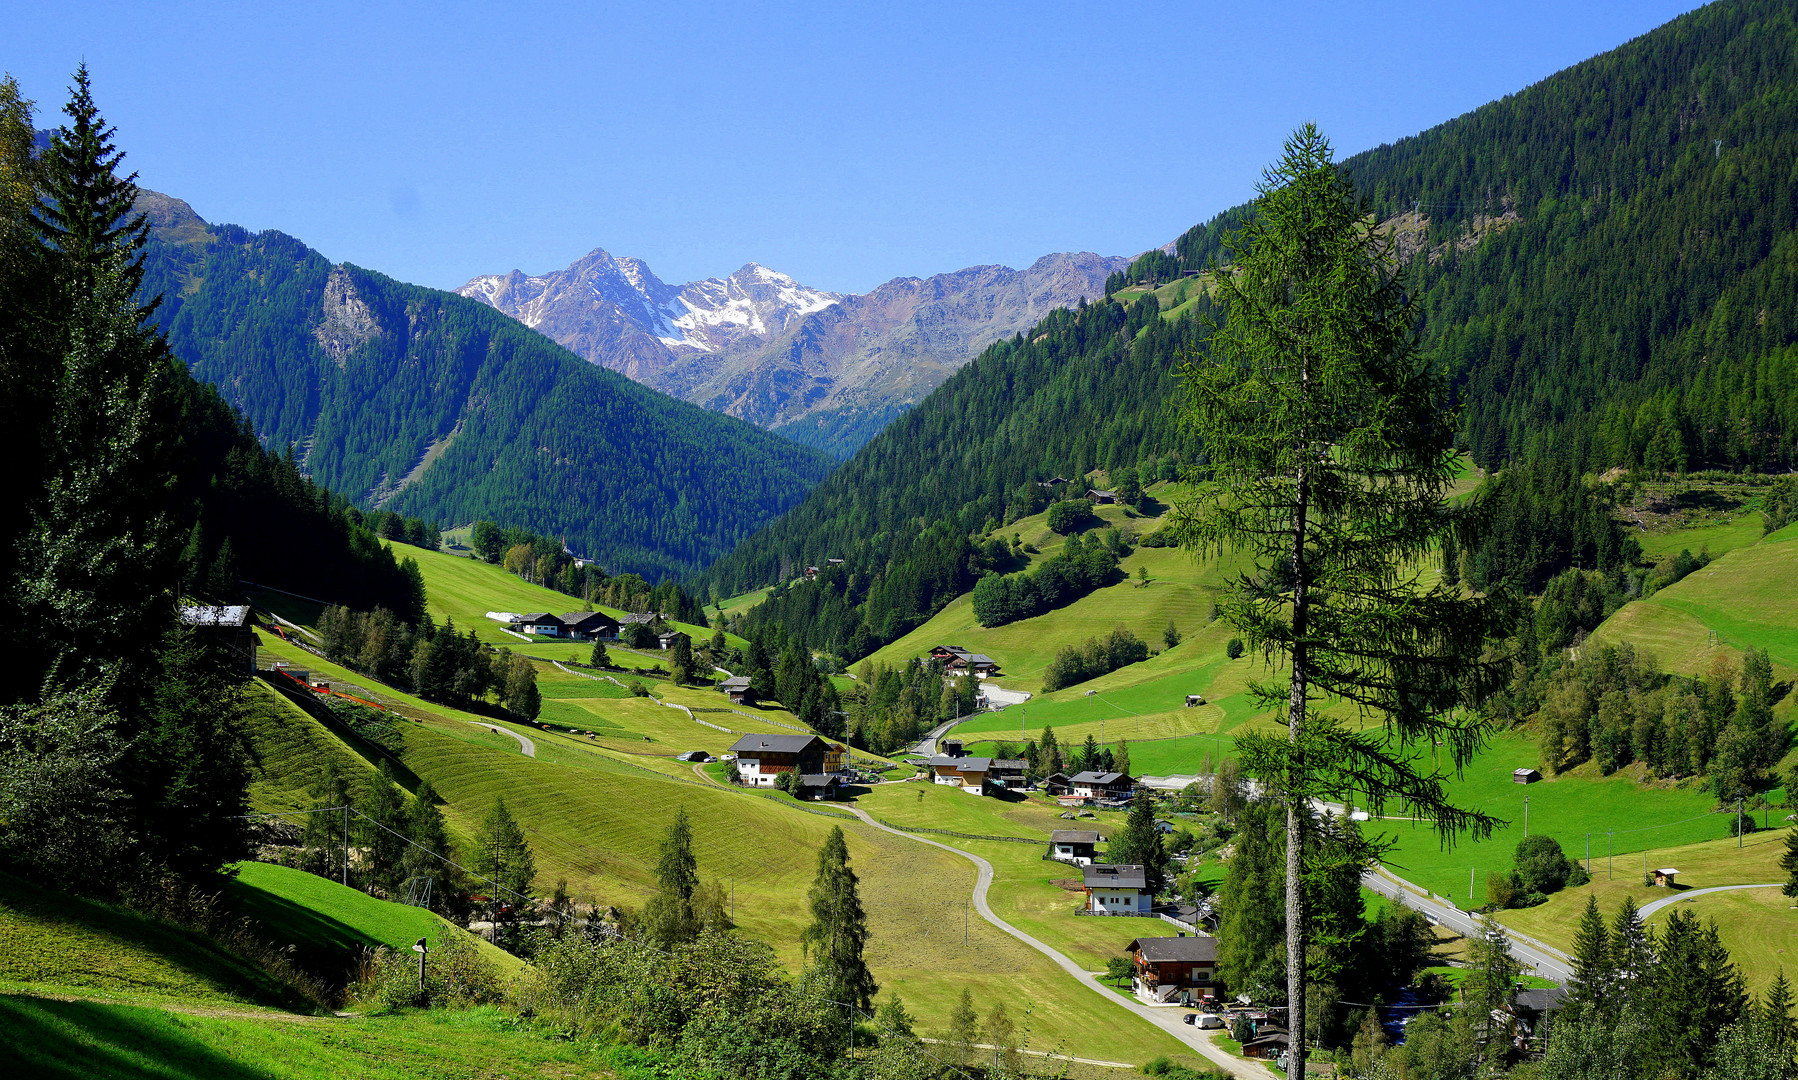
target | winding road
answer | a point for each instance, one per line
(1168, 1019)
(527, 746)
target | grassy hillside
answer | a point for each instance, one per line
(51, 942)
(309, 911)
(77, 1040)
(1744, 599)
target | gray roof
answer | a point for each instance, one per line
(1074, 836)
(1540, 1001)
(1107, 876)
(1102, 779)
(209, 615)
(774, 744)
(577, 618)
(735, 682)
(1011, 764)
(1158, 950)
(641, 617)
(973, 764)
(819, 779)
(539, 617)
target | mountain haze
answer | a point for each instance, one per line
(434, 405)
(827, 369)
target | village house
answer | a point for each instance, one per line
(1057, 785)
(971, 774)
(1532, 1010)
(1115, 889)
(738, 690)
(1054, 481)
(589, 625)
(819, 786)
(1101, 497)
(762, 758)
(667, 638)
(833, 562)
(1525, 776)
(1074, 846)
(1102, 786)
(229, 624)
(1172, 970)
(637, 618)
(959, 661)
(541, 623)
(1008, 773)
(811, 573)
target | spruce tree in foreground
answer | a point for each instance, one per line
(1331, 445)
(670, 918)
(505, 855)
(839, 930)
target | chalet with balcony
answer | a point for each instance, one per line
(971, 774)
(738, 690)
(1116, 890)
(1176, 970)
(1009, 773)
(1102, 786)
(959, 661)
(762, 758)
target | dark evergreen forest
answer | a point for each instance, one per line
(1606, 263)
(430, 404)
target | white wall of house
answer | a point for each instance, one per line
(1065, 852)
(750, 771)
(1113, 899)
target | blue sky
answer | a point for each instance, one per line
(842, 143)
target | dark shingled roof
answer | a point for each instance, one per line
(1107, 876)
(1074, 836)
(1158, 950)
(819, 780)
(735, 682)
(774, 744)
(1010, 764)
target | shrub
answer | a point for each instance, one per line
(1119, 968)
(1540, 864)
(1501, 890)
(1234, 649)
(456, 976)
(1070, 516)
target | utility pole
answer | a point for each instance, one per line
(1526, 817)
(1608, 865)
(346, 844)
(964, 919)
(1470, 883)
(1738, 822)
(1588, 854)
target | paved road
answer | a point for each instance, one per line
(1168, 1019)
(1651, 908)
(1547, 961)
(524, 744)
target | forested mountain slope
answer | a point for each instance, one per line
(1608, 264)
(437, 406)
(1610, 257)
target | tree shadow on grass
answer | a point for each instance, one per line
(84, 1039)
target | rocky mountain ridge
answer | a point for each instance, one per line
(827, 369)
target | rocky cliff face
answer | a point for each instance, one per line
(824, 368)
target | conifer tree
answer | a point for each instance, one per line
(1138, 844)
(1592, 975)
(893, 1020)
(669, 917)
(429, 877)
(1331, 445)
(1774, 1015)
(1050, 754)
(839, 930)
(1491, 976)
(505, 855)
(599, 658)
(964, 1028)
(384, 838)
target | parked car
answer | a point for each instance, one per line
(1191, 1018)
(1210, 1020)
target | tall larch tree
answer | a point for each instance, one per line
(1331, 445)
(839, 931)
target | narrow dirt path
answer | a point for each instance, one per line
(1168, 1019)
